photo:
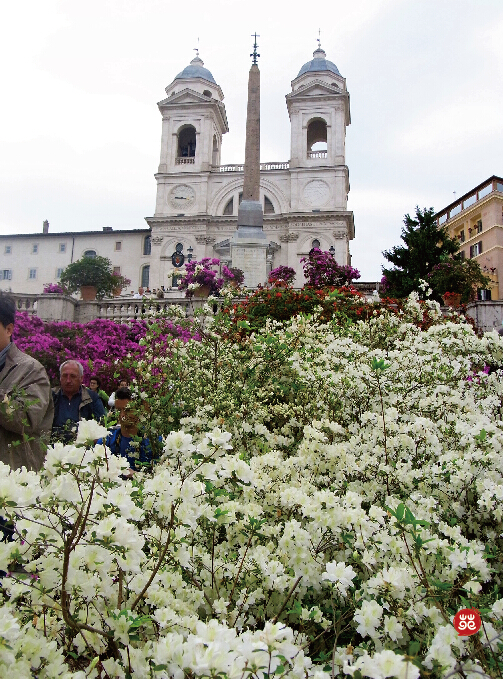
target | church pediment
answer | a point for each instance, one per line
(315, 89)
(186, 96)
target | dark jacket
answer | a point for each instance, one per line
(90, 407)
(24, 380)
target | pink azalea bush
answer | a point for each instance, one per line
(282, 273)
(102, 346)
(321, 270)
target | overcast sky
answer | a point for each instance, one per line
(80, 130)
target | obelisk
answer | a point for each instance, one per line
(249, 244)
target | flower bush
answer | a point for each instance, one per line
(232, 274)
(102, 346)
(326, 497)
(54, 288)
(321, 270)
(462, 276)
(201, 274)
(282, 273)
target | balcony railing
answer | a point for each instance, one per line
(264, 167)
(184, 161)
(494, 184)
(317, 154)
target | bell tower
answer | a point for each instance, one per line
(193, 123)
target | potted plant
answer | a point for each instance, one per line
(233, 277)
(457, 277)
(282, 276)
(199, 279)
(54, 289)
(122, 282)
(92, 276)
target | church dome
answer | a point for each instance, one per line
(196, 70)
(318, 63)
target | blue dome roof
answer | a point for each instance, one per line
(196, 70)
(318, 63)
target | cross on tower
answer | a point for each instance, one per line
(196, 49)
(254, 53)
(319, 38)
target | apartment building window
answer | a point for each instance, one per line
(478, 226)
(147, 245)
(32, 274)
(62, 247)
(118, 245)
(5, 274)
(8, 249)
(462, 236)
(59, 272)
(476, 249)
(462, 254)
(34, 248)
(90, 253)
(483, 295)
(117, 270)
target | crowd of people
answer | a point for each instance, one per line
(32, 415)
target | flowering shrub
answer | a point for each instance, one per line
(462, 276)
(232, 274)
(102, 346)
(328, 497)
(199, 274)
(321, 270)
(282, 273)
(54, 288)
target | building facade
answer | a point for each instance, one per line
(476, 220)
(304, 199)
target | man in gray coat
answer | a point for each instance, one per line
(26, 407)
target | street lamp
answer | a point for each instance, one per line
(331, 249)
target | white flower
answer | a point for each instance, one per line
(340, 574)
(90, 430)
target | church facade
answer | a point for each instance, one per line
(304, 199)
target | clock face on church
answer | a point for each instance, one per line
(182, 197)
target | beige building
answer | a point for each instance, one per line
(476, 219)
(304, 198)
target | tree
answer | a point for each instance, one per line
(426, 245)
(462, 276)
(95, 271)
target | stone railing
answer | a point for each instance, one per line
(317, 154)
(487, 315)
(184, 161)
(264, 167)
(27, 303)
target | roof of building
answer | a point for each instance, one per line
(461, 199)
(62, 234)
(319, 62)
(196, 70)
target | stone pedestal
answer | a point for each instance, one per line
(53, 307)
(248, 253)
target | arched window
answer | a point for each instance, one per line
(145, 275)
(187, 142)
(229, 208)
(206, 93)
(317, 139)
(90, 253)
(147, 245)
(268, 206)
(315, 243)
